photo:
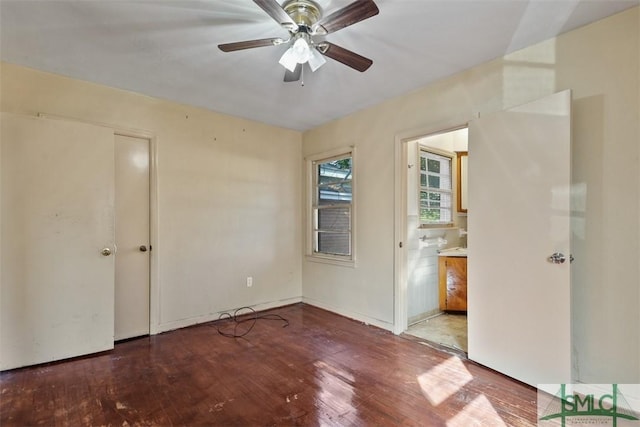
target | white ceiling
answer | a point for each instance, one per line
(168, 48)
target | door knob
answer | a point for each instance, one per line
(106, 252)
(557, 258)
(143, 248)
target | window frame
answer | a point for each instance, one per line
(451, 156)
(312, 207)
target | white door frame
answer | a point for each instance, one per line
(400, 308)
(154, 282)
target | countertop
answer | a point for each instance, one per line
(459, 252)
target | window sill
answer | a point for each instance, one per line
(449, 226)
(330, 260)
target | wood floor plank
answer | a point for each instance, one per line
(323, 369)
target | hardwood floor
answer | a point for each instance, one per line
(323, 369)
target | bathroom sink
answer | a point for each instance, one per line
(461, 252)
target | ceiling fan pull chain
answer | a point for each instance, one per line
(302, 75)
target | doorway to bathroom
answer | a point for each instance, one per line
(523, 152)
(435, 221)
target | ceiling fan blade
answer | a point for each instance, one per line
(250, 44)
(293, 76)
(274, 10)
(340, 54)
(357, 11)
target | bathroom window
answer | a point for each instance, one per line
(331, 207)
(436, 207)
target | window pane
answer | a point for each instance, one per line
(445, 200)
(441, 182)
(429, 215)
(331, 197)
(334, 182)
(434, 181)
(434, 165)
(432, 199)
(329, 178)
(435, 215)
(436, 186)
(333, 191)
(334, 219)
(334, 243)
(338, 168)
(445, 182)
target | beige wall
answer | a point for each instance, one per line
(228, 194)
(599, 63)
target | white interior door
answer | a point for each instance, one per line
(132, 237)
(519, 215)
(57, 195)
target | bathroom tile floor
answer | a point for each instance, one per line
(447, 329)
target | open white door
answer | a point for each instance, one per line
(519, 215)
(57, 233)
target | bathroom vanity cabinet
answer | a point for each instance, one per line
(452, 272)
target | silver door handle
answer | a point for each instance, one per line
(559, 258)
(106, 252)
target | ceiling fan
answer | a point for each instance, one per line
(304, 21)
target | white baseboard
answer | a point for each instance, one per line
(350, 314)
(183, 323)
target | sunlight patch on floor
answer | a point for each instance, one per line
(336, 387)
(479, 412)
(443, 381)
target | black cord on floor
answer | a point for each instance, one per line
(237, 321)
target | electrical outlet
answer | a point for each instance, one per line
(249, 282)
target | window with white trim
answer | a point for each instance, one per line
(332, 207)
(436, 195)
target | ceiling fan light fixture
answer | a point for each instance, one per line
(316, 60)
(289, 60)
(301, 52)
